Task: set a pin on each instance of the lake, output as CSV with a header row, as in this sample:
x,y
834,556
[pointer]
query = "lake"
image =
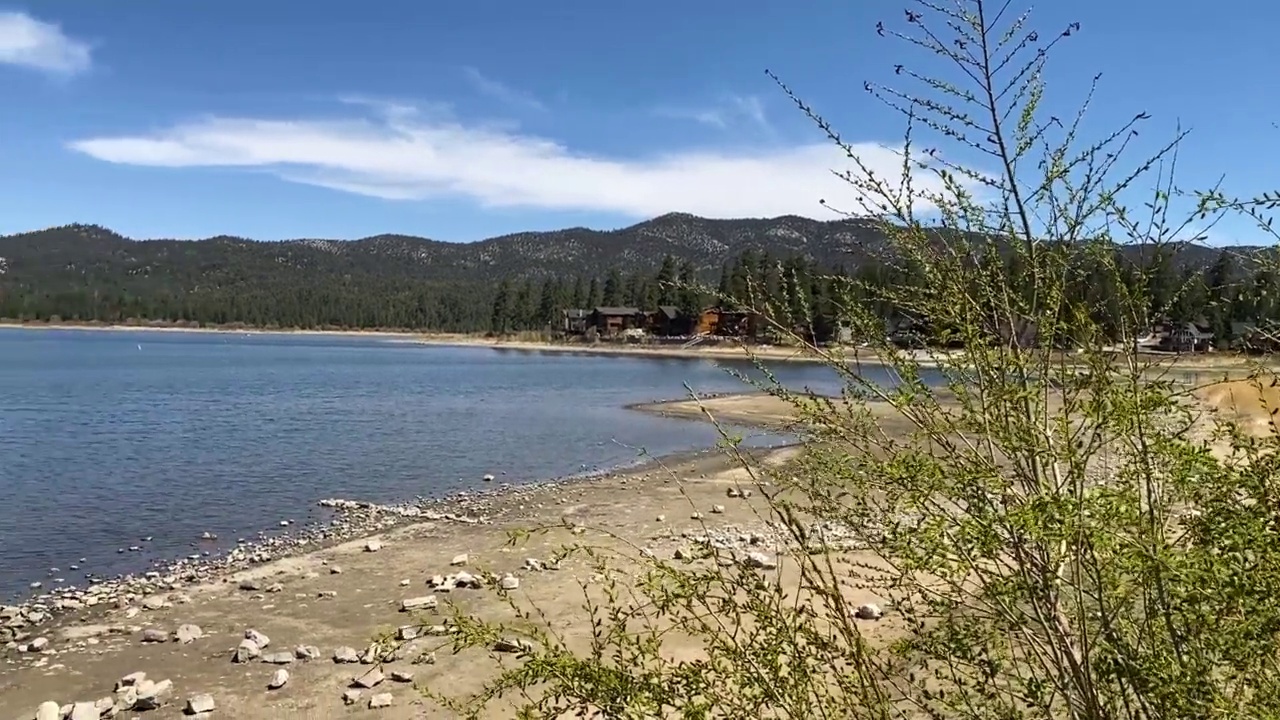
x,y
111,437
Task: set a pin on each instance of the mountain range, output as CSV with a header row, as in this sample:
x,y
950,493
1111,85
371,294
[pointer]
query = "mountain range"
x,y
57,257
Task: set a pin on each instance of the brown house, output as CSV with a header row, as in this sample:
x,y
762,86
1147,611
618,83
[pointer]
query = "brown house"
x,y
615,320
667,321
727,323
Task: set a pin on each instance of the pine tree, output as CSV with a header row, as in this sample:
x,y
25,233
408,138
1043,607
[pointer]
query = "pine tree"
x,y
613,289
500,321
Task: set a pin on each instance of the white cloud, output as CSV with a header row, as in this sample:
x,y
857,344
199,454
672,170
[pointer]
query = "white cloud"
x,y
40,45
502,92
731,110
400,155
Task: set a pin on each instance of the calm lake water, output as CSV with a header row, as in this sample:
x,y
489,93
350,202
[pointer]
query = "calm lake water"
x,y
109,437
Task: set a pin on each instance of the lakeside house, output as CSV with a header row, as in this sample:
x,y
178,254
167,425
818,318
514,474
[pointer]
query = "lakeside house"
x,y
1178,337
663,321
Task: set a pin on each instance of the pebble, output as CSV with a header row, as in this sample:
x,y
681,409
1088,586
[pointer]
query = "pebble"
x,y
424,602
188,633
372,546
202,703
509,582
760,561
869,611
369,679
151,695
246,651
717,509
250,585
307,652
335,570
152,635
381,700
402,676
460,559
346,654
278,679
512,645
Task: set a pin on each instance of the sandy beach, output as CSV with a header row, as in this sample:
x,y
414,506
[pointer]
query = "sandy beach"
x,y
344,595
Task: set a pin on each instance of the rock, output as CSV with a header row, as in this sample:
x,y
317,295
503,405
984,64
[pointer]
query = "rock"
x,y
307,652
695,516
275,588
124,698
201,703
509,582
335,570
733,492
405,582
84,711
278,679
188,633
258,638
38,644
155,602
278,658
151,695
533,564
717,509
351,697
327,594
246,651
369,679
512,645
152,635
869,611
759,561
370,655
130,680
488,478
424,602
459,560
464,580
426,658
381,700
407,632
250,585
402,676
49,710
372,546
346,654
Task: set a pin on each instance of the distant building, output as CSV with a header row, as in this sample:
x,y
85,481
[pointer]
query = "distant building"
x,y
575,321
609,321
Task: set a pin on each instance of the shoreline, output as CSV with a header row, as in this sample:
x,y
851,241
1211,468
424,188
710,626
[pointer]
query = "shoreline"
x,y
352,520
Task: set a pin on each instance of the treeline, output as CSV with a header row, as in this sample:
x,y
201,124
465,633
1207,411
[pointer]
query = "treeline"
x,y
798,293
462,308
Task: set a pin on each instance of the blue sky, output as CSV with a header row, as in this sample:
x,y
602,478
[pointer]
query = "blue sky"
x,y
459,121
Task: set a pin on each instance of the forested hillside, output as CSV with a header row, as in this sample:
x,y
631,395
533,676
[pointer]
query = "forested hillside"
x,y
89,273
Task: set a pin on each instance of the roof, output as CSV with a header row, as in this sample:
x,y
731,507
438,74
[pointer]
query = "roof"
x,y
576,313
617,311
671,311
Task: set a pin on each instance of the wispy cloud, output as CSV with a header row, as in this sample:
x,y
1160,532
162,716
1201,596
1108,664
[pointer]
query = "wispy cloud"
x,y
39,45
502,92
401,155
731,110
